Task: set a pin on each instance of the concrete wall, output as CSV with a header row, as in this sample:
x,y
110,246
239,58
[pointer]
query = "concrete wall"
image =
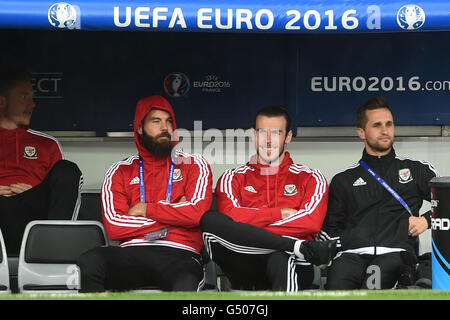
x,y
330,155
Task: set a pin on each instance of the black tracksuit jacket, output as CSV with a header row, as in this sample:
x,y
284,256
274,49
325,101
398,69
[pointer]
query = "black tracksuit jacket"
x,y
363,215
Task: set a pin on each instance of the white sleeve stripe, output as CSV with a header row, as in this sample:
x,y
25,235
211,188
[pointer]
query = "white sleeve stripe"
x,y
325,236
432,168
202,180
224,186
108,200
227,187
312,204
76,209
38,133
108,197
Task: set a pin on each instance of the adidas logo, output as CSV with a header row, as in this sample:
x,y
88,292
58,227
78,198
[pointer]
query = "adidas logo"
x,y
359,182
135,180
251,189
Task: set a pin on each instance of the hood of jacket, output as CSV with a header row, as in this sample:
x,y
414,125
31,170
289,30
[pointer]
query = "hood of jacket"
x,y
143,107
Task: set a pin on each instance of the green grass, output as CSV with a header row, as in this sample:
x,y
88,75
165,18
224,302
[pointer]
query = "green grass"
x,y
245,295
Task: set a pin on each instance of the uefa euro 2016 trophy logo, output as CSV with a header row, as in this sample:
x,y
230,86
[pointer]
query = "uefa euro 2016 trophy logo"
x,y
410,17
176,84
62,15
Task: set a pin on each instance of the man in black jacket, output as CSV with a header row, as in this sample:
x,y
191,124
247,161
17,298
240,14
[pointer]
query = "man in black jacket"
x,y
373,207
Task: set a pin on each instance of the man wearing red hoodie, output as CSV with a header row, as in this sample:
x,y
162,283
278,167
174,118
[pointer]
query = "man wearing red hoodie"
x,y
152,204
35,181
270,207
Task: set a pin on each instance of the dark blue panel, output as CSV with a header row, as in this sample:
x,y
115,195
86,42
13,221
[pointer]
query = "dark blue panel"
x,y
92,80
338,73
103,74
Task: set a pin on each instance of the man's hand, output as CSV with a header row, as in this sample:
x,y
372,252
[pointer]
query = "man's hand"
x,y
417,225
20,187
286,212
6,191
14,189
140,209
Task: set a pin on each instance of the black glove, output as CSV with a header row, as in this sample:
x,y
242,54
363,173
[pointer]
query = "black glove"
x,y
319,252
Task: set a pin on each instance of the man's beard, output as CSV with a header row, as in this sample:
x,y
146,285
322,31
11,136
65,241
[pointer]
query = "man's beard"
x,y
157,148
270,161
379,147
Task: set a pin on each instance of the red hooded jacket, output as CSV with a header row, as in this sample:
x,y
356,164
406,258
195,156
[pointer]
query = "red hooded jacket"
x,y
27,156
255,193
121,191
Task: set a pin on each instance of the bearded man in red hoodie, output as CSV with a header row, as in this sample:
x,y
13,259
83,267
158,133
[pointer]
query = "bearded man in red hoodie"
x,y
36,182
152,203
270,211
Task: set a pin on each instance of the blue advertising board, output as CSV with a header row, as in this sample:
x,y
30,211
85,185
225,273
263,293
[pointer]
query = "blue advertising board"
x,y
311,16
338,73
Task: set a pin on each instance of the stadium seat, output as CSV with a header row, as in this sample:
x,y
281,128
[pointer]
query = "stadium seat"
x,y
91,205
210,276
49,251
4,269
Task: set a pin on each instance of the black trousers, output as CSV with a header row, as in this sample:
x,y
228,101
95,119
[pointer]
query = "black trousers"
x,y
277,271
56,198
253,258
135,267
355,271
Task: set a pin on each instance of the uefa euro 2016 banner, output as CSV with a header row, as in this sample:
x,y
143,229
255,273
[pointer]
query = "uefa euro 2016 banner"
x,y
324,16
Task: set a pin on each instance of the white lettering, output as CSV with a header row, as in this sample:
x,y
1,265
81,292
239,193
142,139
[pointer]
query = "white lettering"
x,y
177,18
349,22
40,86
355,84
440,224
193,310
142,13
157,17
306,19
344,82
290,23
327,85
127,17
316,84
259,14
330,15
243,16
229,23
201,18
144,17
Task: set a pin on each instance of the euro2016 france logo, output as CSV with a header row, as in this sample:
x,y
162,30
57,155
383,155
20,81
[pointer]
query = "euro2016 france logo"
x,y
410,17
176,84
63,15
